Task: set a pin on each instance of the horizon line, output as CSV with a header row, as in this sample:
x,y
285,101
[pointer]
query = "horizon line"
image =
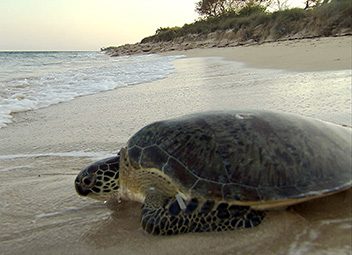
x,y
45,51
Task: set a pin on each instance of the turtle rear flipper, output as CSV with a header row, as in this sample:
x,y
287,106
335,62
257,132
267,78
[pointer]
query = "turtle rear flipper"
x,y
163,215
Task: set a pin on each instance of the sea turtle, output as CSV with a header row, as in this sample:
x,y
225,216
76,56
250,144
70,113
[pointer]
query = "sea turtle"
x,y
218,171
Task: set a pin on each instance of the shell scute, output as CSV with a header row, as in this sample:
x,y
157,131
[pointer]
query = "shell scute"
x,y
179,173
208,189
153,157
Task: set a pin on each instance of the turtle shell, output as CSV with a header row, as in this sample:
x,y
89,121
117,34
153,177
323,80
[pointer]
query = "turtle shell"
x,y
247,156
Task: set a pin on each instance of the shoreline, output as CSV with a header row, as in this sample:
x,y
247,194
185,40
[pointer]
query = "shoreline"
x,y
41,212
300,55
320,54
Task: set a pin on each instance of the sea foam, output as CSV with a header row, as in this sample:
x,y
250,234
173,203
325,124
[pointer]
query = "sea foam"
x,y
32,80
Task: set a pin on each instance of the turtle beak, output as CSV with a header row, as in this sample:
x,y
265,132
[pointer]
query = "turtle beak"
x,y
79,187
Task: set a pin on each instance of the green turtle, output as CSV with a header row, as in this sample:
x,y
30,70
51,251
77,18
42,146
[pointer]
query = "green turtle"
x,y
218,171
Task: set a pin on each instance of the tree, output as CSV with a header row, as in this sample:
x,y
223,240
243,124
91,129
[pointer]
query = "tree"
x,y
213,8
280,4
312,3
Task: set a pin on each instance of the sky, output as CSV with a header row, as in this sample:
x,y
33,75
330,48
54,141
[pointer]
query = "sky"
x,y
30,25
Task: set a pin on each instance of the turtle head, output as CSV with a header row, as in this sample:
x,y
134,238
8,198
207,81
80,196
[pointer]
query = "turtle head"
x,y
99,180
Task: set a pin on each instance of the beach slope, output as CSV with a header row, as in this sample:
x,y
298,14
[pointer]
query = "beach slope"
x,y
42,151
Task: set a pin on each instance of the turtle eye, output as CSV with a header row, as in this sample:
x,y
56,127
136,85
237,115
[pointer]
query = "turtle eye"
x,y
88,181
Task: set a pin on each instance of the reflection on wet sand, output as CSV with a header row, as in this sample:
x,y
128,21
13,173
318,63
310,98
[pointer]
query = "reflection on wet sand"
x,y
304,228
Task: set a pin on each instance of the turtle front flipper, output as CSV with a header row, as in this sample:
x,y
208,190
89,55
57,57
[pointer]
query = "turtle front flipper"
x,y
163,215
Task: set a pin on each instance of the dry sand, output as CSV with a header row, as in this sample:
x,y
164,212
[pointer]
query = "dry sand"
x,y
40,156
329,53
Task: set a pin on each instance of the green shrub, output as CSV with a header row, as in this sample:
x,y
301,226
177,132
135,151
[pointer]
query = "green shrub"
x,y
288,22
260,18
337,13
289,15
254,21
251,9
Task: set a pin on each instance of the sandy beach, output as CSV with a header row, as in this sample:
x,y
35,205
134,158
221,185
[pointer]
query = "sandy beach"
x,y
42,151
327,53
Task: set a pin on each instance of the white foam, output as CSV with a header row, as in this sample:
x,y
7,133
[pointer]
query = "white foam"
x,y
336,221
46,215
56,213
305,241
35,80
76,154
70,210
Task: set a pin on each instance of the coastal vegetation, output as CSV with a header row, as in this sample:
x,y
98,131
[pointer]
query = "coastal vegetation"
x,y
255,22
235,22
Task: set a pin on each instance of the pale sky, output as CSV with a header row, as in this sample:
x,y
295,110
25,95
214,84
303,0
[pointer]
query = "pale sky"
x,y
86,24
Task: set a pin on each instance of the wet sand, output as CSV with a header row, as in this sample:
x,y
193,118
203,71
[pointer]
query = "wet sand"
x,y
43,150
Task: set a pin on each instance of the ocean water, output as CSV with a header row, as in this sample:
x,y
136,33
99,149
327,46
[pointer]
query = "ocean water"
x,y
32,80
